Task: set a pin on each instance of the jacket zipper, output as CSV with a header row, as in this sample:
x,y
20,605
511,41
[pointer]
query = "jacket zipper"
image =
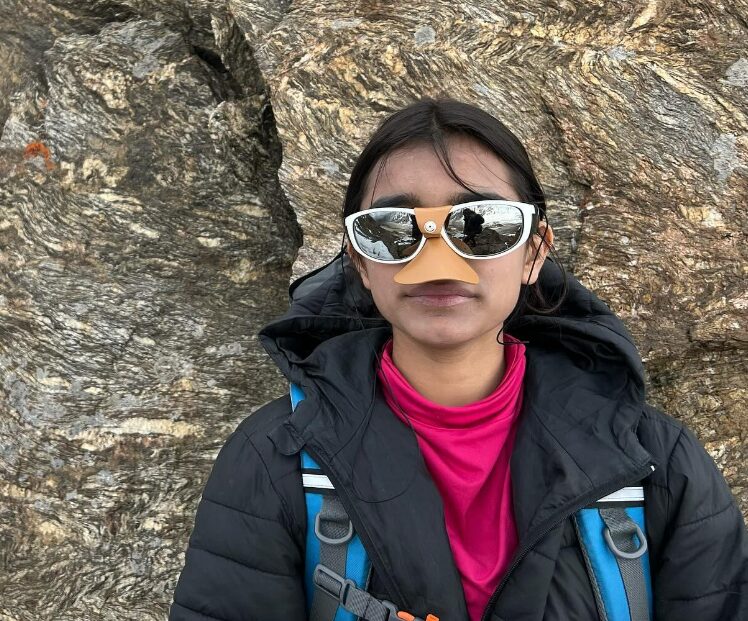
x,y
353,516
581,502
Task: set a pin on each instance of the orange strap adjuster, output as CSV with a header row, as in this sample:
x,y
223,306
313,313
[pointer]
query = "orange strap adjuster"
x,y
406,616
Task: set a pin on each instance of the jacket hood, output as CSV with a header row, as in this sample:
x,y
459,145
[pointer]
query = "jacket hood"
x,y
330,302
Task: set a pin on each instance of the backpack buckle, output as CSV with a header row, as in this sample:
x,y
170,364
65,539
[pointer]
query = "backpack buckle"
x,y
331,583
342,590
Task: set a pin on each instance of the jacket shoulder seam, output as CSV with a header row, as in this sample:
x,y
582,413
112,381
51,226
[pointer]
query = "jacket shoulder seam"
x,y
710,594
257,418
233,560
677,442
242,511
729,506
660,416
284,505
199,612
667,473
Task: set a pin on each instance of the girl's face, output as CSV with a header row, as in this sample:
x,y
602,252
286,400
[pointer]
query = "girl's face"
x,y
480,310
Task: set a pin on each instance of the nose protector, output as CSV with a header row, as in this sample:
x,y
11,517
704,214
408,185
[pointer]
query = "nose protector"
x,y
436,260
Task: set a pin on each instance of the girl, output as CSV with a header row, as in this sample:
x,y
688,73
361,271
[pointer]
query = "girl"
x,y
469,402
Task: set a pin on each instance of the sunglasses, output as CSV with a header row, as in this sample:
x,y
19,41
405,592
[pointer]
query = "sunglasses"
x,y
478,230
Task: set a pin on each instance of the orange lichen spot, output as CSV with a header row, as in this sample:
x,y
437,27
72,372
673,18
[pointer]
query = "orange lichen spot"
x,y
38,148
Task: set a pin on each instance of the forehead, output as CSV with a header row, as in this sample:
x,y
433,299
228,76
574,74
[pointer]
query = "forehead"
x,y
416,169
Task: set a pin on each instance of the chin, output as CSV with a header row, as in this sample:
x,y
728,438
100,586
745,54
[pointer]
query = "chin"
x,y
431,332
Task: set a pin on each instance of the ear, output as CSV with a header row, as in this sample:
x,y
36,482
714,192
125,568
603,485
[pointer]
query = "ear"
x,y
358,264
529,278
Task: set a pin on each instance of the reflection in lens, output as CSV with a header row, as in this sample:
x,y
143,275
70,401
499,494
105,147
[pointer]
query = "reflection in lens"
x,y
387,236
485,230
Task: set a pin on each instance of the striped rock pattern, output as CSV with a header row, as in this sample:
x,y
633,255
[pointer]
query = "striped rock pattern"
x,y
160,161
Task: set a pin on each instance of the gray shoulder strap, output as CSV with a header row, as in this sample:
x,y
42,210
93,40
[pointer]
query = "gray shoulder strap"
x,y
334,531
628,544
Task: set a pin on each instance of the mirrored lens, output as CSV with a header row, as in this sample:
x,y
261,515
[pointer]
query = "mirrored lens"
x,y
485,230
387,235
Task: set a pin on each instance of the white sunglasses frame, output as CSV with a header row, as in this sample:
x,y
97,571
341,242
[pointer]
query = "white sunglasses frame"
x,y
528,212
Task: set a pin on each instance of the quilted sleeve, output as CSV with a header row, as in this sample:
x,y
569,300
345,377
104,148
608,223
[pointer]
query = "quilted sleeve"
x,y
242,563
702,571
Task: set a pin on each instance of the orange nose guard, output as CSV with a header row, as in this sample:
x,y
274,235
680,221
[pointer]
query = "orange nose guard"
x,y
436,260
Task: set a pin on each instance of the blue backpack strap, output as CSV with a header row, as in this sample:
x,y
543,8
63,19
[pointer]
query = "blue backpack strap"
x,y
612,536
331,544
297,394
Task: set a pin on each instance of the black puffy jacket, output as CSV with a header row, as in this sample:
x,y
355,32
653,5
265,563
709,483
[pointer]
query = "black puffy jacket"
x,y
585,431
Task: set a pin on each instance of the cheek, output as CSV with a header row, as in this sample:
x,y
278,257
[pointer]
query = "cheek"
x,y
500,279
383,288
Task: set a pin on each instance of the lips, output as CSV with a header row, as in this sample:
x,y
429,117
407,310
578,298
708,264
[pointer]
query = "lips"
x,y
441,290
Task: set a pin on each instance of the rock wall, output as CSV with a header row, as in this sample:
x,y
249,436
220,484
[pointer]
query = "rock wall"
x,y
143,239
155,157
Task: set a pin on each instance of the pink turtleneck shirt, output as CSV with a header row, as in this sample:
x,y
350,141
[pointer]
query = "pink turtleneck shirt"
x,y
467,449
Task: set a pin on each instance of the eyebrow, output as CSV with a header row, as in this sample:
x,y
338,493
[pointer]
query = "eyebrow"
x,y
411,200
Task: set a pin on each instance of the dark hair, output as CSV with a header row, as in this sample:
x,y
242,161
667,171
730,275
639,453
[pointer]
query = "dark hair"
x,y
433,121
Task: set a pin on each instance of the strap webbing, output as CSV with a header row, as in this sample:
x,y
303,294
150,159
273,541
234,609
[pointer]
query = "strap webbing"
x,y
589,565
353,599
623,532
614,548
333,524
